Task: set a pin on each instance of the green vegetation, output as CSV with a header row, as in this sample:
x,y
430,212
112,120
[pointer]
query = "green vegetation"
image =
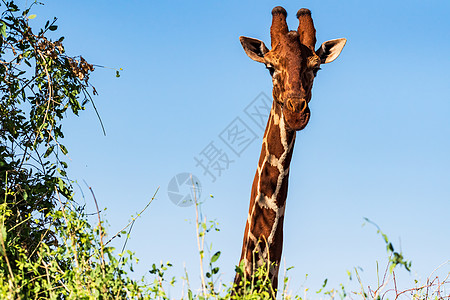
x,y
48,249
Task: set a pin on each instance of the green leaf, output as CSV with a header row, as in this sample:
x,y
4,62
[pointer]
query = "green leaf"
x,y
53,27
3,232
215,257
60,184
62,172
31,17
390,247
385,238
391,268
49,151
3,29
63,149
349,274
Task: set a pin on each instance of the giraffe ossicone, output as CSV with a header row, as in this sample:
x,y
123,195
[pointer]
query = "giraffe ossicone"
x,y
293,64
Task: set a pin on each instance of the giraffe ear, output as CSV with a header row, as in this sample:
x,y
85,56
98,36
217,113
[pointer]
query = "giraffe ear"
x,y
330,50
254,48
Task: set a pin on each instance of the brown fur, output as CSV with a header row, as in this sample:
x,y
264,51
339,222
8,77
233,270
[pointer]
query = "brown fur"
x,y
279,26
306,28
293,64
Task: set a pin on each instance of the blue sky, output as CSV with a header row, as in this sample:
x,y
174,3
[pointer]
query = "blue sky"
x,y
377,144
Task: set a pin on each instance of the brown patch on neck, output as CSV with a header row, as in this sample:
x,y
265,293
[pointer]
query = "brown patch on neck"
x,y
274,145
268,180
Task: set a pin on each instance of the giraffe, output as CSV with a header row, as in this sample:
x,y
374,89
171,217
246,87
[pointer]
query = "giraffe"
x,y
293,64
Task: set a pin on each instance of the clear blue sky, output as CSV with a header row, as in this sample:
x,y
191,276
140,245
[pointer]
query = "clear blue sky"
x,y
377,145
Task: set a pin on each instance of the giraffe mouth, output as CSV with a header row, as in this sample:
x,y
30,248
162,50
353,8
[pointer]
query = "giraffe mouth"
x,y
296,113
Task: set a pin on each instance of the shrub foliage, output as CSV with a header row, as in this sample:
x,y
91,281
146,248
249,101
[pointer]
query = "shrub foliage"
x,y
48,250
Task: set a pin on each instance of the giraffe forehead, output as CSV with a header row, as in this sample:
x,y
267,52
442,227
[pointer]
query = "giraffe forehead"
x,y
291,53
290,60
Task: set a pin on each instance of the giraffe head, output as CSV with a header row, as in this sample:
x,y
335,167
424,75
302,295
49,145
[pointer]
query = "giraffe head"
x,y
293,63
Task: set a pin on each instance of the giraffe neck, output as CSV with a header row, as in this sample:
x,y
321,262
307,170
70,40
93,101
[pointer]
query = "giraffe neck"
x,y
263,237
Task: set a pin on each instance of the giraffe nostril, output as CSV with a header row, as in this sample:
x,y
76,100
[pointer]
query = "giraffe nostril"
x,y
296,105
290,105
302,105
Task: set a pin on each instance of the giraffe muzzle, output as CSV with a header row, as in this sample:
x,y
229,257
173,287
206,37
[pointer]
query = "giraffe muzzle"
x,y
296,113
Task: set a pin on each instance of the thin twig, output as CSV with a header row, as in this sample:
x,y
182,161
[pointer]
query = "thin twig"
x,y
99,224
96,111
360,282
395,284
199,244
134,219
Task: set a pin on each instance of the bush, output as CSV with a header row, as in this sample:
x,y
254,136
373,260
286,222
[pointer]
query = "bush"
x,y
48,250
